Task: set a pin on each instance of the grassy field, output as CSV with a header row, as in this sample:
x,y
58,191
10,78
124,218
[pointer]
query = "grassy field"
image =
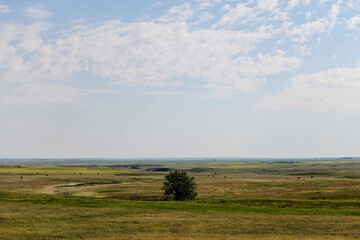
x,y
237,200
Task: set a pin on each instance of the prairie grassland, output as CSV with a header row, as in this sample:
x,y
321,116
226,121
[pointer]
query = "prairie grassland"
x,y
83,221
241,200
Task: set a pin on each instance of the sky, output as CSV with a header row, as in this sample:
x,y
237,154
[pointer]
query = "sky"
x,y
197,78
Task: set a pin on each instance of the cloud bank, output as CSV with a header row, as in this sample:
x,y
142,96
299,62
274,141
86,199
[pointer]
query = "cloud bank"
x,y
218,44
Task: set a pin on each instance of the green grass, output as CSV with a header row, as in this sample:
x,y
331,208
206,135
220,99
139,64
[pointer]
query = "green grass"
x,y
243,200
86,219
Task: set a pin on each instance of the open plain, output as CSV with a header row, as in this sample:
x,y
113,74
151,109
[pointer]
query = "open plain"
x,y
285,199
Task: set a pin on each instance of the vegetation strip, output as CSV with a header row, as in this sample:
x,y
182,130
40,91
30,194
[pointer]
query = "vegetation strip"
x,y
193,206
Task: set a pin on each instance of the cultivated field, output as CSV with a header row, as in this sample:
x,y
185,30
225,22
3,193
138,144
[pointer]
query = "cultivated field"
x,y
287,199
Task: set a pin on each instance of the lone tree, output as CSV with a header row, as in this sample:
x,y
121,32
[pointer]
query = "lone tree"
x,y
180,186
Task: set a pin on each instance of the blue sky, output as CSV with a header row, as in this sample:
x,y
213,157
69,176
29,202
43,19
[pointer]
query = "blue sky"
x,y
198,78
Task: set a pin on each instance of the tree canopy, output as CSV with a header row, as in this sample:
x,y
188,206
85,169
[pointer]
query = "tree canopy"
x,y
179,186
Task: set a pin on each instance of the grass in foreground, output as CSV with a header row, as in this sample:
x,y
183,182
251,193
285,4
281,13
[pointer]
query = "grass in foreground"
x,y
143,220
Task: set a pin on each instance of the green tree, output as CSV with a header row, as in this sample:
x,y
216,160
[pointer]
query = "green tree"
x,y
179,186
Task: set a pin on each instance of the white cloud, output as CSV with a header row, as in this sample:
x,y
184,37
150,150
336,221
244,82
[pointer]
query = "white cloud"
x,y
293,3
304,32
336,90
30,39
178,13
245,73
37,13
158,4
4,9
204,16
353,22
21,82
204,4
303,50
244,13
226,7
145,53
353,4
158,53
15,42
321,2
